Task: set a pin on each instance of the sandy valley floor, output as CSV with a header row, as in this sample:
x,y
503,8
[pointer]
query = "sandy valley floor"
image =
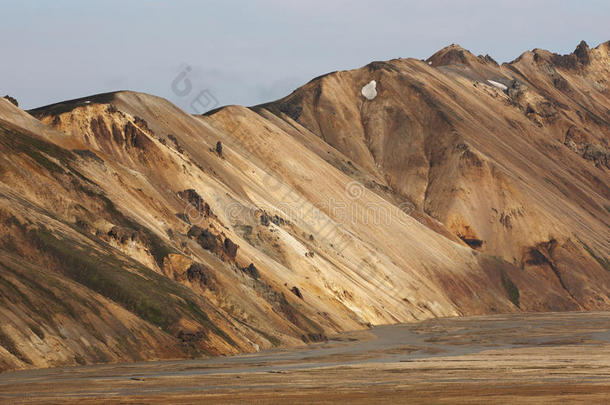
x,y
487,359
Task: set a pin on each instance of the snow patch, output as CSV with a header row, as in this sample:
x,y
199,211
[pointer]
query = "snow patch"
x,y
498,85
369,91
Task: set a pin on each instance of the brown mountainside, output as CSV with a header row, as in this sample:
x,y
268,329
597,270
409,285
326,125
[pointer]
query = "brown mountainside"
x,y
460,187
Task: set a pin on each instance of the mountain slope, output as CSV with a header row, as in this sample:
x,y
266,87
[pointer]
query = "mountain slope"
x,y
132,230
518,170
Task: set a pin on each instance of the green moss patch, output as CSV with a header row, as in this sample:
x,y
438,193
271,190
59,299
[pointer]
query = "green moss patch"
x,y
147,294
511,289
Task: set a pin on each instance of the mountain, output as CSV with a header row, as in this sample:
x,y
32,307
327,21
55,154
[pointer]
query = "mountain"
x,y
131,230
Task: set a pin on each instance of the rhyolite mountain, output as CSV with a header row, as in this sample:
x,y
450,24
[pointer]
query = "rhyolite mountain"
x,y
131,230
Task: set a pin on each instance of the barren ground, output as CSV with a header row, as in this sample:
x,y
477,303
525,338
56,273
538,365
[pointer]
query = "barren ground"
x,y
486,359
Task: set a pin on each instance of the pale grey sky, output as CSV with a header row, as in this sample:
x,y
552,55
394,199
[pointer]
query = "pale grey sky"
x,y
249,52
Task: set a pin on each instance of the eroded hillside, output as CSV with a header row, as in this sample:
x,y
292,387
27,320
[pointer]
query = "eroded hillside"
x,y
512,159
131,230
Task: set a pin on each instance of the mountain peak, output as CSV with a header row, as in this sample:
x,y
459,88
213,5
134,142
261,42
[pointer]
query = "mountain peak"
x,y
451,55
68,105
582,52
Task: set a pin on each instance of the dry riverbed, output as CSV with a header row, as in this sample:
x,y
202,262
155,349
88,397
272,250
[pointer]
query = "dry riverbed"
x,y
487,359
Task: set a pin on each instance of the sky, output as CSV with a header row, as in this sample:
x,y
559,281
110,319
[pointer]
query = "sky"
x,y
203,54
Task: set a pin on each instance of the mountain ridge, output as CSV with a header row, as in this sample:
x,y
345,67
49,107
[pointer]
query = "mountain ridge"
x,y
447,194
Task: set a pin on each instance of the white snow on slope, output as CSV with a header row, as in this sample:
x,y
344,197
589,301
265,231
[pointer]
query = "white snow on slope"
x,y
498,85
369,91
